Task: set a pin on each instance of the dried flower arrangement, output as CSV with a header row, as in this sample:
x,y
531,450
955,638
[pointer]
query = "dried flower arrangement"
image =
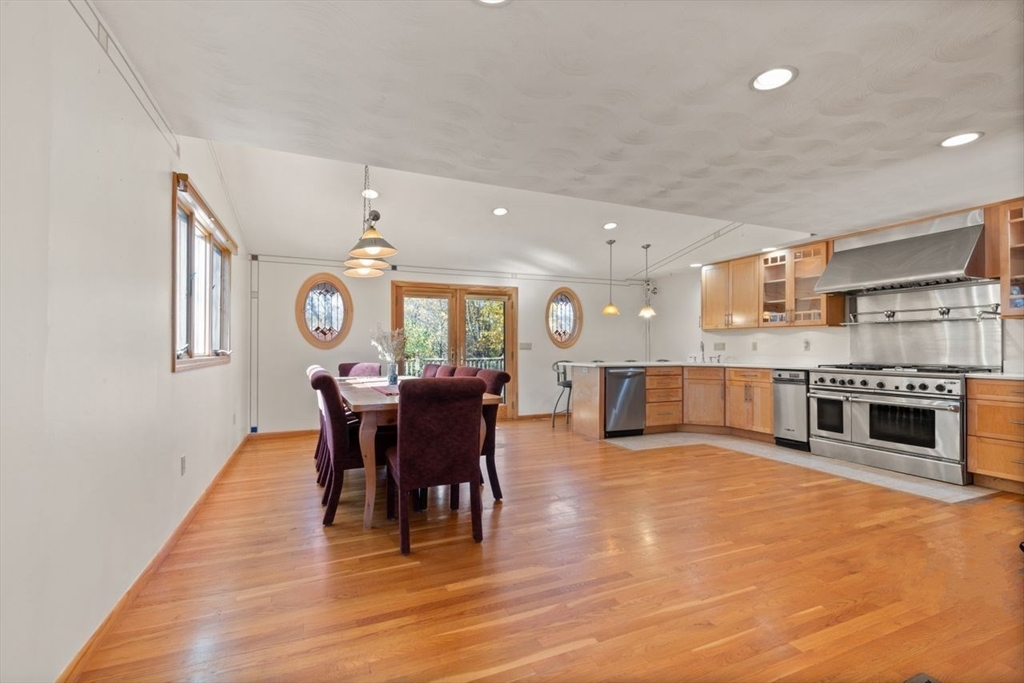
x,y
390,343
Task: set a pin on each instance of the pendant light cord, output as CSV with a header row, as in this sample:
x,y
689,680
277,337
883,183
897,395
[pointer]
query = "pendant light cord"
x,y
610,243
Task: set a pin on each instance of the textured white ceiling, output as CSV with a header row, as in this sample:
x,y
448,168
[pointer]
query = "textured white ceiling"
x,y
640,103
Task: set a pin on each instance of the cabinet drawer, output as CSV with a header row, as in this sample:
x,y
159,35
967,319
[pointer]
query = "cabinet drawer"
x,y
749,375
996,419
995,457
665,370
664,382
998,389
662,395
664,414
704,373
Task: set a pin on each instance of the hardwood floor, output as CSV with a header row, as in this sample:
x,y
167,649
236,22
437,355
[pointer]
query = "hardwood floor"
x,y
695,564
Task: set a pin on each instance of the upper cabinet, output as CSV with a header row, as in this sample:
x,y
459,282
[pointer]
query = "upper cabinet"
x,y
787,296
771,290
1011,242
729,294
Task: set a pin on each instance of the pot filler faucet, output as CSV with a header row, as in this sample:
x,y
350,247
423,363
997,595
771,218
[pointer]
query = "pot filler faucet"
x,y
702,351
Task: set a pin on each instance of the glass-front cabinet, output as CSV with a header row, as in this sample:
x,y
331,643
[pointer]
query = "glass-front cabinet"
x,y
1013,260
788,277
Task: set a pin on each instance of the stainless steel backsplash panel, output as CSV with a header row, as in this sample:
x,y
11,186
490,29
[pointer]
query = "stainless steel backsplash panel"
x,y
954,342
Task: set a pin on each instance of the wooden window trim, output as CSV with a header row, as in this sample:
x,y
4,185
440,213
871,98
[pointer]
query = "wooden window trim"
x,y
222,240
300,310
577,318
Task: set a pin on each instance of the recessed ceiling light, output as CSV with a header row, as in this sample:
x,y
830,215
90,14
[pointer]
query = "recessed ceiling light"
x,y
773,78
696,265
767,249
610,226
500,211
370,194
961,139
493,3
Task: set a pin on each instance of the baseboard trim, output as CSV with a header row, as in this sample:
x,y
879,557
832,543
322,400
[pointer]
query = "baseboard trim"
x,y
537,416
75,667
259,436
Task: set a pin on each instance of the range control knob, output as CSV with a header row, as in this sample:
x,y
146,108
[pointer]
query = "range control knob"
x,y
842,382
940,388
863,382
832,380
880,385
922,386
910,387
850,382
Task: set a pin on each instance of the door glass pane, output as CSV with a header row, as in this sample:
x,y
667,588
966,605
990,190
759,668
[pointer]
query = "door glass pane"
x,y
830,415
200,294
426,332
903,425
181,283
485,333
773,284
808,264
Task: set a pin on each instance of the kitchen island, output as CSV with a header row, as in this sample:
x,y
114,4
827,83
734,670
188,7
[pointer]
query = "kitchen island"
x,y
716,398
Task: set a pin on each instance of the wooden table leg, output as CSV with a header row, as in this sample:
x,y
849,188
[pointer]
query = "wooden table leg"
x,y
367,442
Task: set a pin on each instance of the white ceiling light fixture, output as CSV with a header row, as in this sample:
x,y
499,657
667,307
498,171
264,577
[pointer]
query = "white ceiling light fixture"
x,y
767,249
493,3
774,78
370,194
610,226
500,211
961,139
610,309
647,311
371,247
696,265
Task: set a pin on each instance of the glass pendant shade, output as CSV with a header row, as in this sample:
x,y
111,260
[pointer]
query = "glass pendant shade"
x,y
364,272
647,311
610,309
371,245
366,263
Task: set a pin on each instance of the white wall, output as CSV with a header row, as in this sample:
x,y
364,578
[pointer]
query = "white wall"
x,y
680,334
286,402
92,421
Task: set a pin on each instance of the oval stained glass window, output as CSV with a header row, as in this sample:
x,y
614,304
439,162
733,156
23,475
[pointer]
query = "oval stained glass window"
x,y
564,317
323,310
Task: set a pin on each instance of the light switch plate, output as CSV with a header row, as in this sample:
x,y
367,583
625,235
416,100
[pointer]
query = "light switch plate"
x,y
526,346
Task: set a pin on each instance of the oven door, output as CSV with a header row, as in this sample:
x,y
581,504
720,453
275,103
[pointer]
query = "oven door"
x,y
830,415
928,427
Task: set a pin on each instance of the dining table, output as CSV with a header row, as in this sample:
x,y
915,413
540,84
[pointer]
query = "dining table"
x,y
376,403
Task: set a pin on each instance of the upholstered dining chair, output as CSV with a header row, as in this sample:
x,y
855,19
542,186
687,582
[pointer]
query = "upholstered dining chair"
x,y
358,369
430,370
342,441
466,371
321,446
445,371
496,381
438,444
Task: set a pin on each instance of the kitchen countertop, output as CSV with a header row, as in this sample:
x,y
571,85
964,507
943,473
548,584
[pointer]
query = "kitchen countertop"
x,y
995,375
689,364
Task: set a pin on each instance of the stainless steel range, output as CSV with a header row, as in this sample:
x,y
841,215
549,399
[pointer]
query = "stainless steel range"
x,y
907,419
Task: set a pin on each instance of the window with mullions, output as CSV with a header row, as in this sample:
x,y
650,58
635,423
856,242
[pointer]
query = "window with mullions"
x,y
565,317
202,281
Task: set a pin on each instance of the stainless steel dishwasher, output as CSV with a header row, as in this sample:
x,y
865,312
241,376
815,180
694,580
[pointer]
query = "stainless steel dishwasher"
x,y
789,396
625,401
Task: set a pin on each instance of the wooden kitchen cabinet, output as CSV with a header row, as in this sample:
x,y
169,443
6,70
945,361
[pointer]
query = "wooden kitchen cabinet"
x,y
1010,224
995,432
749,400
729,294
664,396
787,297
704,396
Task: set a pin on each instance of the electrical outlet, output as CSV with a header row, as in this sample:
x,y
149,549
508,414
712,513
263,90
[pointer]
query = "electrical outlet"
x,y
753,346
183,465
526,346
807,345
719,346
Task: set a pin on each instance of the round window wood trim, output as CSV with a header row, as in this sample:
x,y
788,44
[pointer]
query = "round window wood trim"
x,y
347,311
565,340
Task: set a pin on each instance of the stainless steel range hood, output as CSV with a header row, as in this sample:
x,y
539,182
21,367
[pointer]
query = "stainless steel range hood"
x,y
930,259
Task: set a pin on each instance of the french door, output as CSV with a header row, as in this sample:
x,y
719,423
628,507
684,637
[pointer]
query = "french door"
x,y
459,325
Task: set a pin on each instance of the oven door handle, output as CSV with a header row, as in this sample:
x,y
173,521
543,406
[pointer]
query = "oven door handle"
x,y
831,397
910,403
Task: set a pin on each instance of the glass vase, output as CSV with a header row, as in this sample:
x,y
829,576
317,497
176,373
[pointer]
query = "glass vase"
x,y
392,373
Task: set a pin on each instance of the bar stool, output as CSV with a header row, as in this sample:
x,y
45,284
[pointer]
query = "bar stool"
x,y
562,379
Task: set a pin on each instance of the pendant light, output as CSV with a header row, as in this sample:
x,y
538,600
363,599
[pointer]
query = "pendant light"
x,y
610,309
371,247
647,311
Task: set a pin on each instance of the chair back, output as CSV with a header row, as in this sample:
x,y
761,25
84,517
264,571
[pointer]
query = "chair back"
x,y
466,371
439,430
445,371
561,370
496,381
430,370
358,369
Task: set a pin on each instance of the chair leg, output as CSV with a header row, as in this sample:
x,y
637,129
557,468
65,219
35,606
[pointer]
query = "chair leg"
x,y
476,508
327,483
335,494
453,497
554,411
492,474
391,487
403,520
568,403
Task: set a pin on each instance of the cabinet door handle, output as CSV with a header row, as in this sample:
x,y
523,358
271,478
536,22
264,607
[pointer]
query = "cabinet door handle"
x,y
1016,422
